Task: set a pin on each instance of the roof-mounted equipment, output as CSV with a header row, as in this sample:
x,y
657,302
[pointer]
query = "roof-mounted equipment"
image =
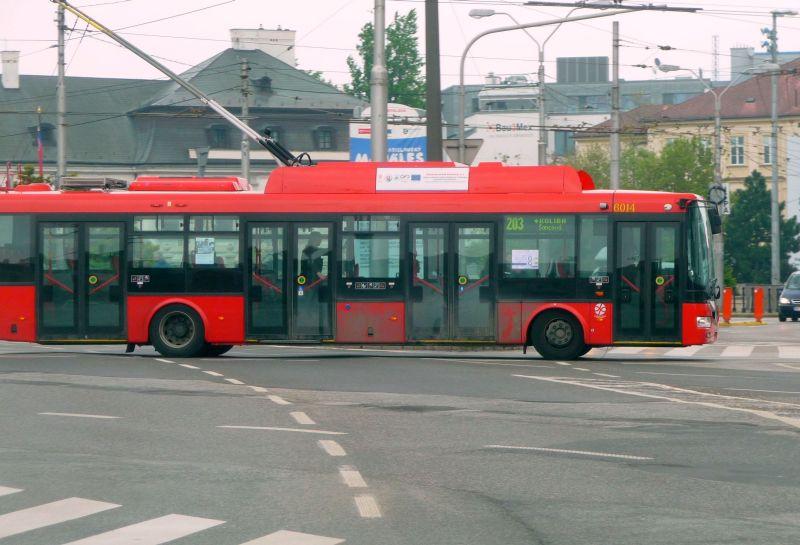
x,y
86,183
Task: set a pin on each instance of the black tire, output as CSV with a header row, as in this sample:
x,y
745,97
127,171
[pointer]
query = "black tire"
x,y
214,350
782,318
177,331
557,335
585,350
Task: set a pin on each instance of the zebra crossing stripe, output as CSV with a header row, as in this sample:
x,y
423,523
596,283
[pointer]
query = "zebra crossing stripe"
x,y
5,491
789,352
285,537
151,532
684,351
626,350
737,351
25,520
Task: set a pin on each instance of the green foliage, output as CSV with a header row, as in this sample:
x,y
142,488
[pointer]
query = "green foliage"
x,y
684,165
29,176
318,75
403,62
748,234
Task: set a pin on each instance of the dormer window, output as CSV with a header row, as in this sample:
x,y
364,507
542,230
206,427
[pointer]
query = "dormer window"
x,y
263,84
218,136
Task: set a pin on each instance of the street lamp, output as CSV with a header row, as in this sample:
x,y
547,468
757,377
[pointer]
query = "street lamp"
x,y
462,91
716,190
480,14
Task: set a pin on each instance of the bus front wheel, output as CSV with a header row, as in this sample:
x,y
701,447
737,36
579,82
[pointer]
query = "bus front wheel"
x,y
177,331
557,335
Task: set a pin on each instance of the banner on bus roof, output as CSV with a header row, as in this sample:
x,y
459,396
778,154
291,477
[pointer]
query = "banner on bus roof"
x,y
422,179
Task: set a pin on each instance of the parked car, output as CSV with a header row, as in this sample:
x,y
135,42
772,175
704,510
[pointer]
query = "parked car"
x,y
789,301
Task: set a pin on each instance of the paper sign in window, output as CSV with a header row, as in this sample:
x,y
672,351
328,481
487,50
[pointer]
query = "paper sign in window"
x,y
204,251
524,260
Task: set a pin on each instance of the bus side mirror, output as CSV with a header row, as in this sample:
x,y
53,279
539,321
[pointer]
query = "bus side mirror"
x,y
715,220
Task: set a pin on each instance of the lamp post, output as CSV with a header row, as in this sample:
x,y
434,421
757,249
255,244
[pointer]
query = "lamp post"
x,y
462,92
716,186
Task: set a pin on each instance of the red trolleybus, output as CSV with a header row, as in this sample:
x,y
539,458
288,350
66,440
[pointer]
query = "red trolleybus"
x,y
365,253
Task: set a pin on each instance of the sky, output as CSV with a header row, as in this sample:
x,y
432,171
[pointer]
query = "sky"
x,y
327,33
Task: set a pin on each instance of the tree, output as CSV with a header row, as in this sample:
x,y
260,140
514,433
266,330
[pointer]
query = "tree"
x,y
29,176
748,238
594,160
320,76
403,62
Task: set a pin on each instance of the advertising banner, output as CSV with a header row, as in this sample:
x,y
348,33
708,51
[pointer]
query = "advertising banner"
x,y
404,143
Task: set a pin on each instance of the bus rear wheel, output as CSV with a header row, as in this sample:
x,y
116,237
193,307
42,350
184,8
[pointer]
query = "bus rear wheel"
x,y
557,335
214,350
177,331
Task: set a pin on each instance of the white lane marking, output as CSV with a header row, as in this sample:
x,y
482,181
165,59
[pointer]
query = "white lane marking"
x,y
5,490
765,391
351,477
188,366
331,447
303,361
213,373
162,360
234,381
605,375
273,428
79,415
737,351
259,389
48,514
683,351
278,400
787,366
367,507
688,374
626,350
488,362
581,369
794,422
789,352
285,537
568,451
563,363
302,418
151,532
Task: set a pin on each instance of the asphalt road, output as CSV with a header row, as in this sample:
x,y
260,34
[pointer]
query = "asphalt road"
x,y
321,445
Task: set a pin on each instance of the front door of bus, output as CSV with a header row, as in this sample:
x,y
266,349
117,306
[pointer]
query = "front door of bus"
x,y
289,288
80,288
452,282
647,291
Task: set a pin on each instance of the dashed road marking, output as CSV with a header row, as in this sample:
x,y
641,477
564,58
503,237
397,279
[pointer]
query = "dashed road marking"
x,y
259,389
275,428
569,451
188,366
737,351
581,369
787,366
5,490
162,360
234,381
79,415
689,374
367,507
151,532
606,375
302,418
765,391
351,477
285,537
331,447
278,400
563,363
213,373
32,518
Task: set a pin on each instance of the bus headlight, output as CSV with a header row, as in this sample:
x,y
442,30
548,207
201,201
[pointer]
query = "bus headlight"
x,y
784,301
704,322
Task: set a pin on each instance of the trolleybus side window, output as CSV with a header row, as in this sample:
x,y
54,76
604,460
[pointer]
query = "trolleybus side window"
x,y
214,262
593,273
16,249
157,254
538,256
370,257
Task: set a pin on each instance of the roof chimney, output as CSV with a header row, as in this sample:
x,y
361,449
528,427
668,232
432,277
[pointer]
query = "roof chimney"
x,y
10,69
276,42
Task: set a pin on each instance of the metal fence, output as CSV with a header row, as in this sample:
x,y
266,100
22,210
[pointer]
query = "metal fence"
x,y
743,297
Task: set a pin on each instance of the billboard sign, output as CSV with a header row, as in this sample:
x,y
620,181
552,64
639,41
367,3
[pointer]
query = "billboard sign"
x,y
404,142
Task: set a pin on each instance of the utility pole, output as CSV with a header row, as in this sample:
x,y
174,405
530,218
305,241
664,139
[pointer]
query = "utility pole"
x,y
379,81
615,147
542,154
245,119
433,92
61,99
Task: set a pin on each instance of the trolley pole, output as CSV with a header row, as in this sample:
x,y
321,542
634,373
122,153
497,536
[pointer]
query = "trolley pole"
x,y
245,119
379,81
61,99
433,92
615,146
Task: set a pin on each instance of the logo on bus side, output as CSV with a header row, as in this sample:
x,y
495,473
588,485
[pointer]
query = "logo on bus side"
x,y
600,311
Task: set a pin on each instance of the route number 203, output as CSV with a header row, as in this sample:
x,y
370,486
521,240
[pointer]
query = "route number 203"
x,y
624,207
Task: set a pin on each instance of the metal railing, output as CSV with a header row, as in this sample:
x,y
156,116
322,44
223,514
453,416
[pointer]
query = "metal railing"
x,y
743,297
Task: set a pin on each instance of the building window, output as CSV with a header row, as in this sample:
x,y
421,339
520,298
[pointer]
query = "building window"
x,y
565,143
218,136
737,150
767,149
593,102
323,137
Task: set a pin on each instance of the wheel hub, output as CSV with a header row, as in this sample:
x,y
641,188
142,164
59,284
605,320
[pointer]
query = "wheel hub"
x,y
559,333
